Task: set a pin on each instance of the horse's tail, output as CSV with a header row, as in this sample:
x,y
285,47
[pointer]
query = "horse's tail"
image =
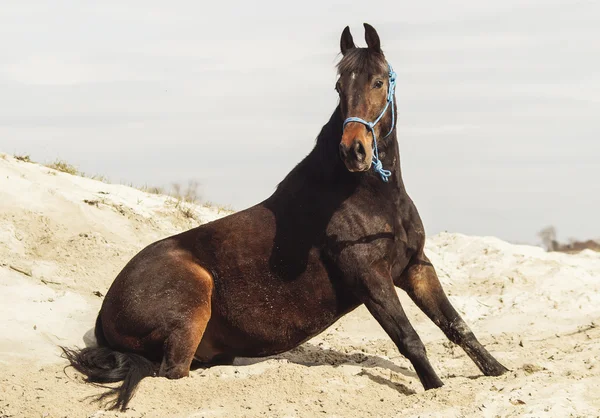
x,y
104,365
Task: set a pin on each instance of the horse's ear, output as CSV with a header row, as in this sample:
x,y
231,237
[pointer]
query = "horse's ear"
x,y
372,38
346,43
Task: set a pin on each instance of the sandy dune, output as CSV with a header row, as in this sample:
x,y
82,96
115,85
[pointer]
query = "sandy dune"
x,y
539,313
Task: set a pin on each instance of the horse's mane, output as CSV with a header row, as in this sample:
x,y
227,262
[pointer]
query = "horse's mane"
x,y
327,144
324,158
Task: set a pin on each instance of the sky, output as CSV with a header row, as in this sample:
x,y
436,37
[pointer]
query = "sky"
x,y
498,102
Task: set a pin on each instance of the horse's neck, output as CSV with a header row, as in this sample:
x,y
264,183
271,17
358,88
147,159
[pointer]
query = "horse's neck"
x,y
323,168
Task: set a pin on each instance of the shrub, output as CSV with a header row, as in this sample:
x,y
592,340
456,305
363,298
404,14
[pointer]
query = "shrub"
x,y
63,166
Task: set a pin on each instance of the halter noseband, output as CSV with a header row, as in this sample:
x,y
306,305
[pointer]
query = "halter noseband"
x,y
377,165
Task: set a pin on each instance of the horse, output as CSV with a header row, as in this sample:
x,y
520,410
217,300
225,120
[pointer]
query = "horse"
x,y
339,231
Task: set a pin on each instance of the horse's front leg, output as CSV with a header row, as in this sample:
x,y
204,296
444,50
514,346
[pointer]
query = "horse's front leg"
x,y
421,283
376,290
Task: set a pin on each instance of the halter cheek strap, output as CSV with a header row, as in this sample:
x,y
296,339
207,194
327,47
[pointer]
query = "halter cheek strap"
x,y
377,165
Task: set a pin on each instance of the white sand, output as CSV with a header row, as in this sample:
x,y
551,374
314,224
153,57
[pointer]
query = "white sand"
x,y
538,313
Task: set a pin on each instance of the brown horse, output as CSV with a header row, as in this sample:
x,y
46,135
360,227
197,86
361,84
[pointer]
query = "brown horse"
x,y
339,231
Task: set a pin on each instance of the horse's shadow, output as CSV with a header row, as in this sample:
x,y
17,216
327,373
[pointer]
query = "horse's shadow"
x,y
311,355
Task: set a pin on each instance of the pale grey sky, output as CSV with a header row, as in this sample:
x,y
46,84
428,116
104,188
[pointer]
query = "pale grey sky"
x,y
499,102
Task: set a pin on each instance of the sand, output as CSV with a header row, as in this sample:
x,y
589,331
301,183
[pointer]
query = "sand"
x,y
64,238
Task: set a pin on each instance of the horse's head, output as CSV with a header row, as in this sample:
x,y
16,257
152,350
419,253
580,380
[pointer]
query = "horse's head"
x,y
366,88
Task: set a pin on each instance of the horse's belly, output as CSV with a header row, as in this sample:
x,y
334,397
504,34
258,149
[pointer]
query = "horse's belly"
x,y
268,335
271,315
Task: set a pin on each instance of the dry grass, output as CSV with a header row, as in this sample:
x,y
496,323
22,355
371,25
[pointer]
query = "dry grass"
x,y
575,246
97,177
23,158
548,236
63,166
189,194
152,189
185,198
182,198
92,202
187,212
218,208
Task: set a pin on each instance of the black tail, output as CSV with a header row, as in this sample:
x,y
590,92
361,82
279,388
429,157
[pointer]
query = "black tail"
x,y
105,365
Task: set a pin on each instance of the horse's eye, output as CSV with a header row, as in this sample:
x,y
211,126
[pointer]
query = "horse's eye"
x,y
378,84
337,86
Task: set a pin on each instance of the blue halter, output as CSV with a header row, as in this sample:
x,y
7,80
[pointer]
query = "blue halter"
x,y
377,165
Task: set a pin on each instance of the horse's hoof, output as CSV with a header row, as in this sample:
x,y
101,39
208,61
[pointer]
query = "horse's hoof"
x,y
495,370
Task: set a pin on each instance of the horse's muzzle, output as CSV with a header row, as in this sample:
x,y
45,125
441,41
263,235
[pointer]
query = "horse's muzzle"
x,y
356,157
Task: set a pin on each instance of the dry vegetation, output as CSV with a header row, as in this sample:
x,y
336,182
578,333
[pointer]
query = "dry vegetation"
x,y
23,158
65,167
548,236
152,189
218,208
182,198
98,177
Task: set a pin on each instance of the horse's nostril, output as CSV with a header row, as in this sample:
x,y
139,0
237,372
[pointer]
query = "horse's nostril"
x,y
359,150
